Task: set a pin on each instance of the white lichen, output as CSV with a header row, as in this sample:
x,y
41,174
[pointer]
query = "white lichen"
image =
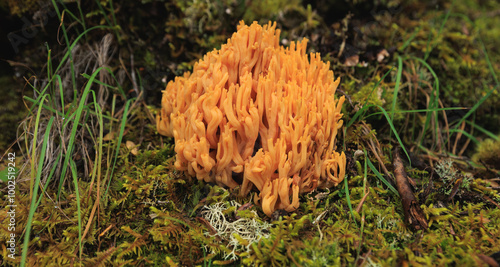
x,y
445,170
249,229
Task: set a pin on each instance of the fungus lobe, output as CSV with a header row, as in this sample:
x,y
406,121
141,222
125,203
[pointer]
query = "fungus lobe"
x,y
257,115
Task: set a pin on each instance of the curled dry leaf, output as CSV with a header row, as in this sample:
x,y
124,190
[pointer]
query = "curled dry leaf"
x,y
132,147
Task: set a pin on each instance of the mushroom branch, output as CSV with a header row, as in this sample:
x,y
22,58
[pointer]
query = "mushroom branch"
x,y
257,115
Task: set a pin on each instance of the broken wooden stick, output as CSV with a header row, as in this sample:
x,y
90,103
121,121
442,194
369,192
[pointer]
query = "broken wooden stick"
x,y
413,214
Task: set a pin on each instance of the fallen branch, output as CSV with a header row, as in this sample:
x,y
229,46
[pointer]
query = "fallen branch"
x,y
413,214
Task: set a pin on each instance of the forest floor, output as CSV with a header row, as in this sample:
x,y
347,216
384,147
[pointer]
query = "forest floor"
x,y
87,180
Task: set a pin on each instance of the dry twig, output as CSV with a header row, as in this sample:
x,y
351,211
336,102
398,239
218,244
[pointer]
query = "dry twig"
x,y
413,214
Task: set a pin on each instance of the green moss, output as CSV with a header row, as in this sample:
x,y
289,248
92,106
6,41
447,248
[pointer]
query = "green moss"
x,y
456,56
488,152
267,10
155,214
151,214
19,8
12,111
367,93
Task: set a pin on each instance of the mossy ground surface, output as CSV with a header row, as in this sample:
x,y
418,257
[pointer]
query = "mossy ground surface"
x,y
414,74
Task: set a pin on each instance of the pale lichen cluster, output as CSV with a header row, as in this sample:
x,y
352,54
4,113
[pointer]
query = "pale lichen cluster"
x,y
250,230
257,115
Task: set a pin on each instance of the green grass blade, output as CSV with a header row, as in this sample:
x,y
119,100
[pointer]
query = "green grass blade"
x,y
408,41
78,206
475,107
348,199
394,131
61,92
35,139
415,111
112,25
380,177
490,66
96,172
468,135
434,98
484,131
429,50
117,87
82,19
120,136
71,142
66,39
49,178
396,87
34,203
376,85
70,48
361,112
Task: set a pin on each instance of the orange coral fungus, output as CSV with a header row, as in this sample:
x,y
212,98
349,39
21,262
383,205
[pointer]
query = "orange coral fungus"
x,y
258,115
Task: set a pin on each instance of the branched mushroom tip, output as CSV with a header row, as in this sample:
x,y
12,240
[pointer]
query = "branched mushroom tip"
x,y
258,115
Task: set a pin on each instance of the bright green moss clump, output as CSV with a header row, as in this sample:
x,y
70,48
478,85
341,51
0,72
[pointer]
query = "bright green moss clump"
x,y
488,152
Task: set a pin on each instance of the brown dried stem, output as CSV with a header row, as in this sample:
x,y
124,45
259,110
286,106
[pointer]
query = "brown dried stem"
x,y
413,214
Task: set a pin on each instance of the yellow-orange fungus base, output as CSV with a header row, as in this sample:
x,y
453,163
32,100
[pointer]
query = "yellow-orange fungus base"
x,y
258,115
